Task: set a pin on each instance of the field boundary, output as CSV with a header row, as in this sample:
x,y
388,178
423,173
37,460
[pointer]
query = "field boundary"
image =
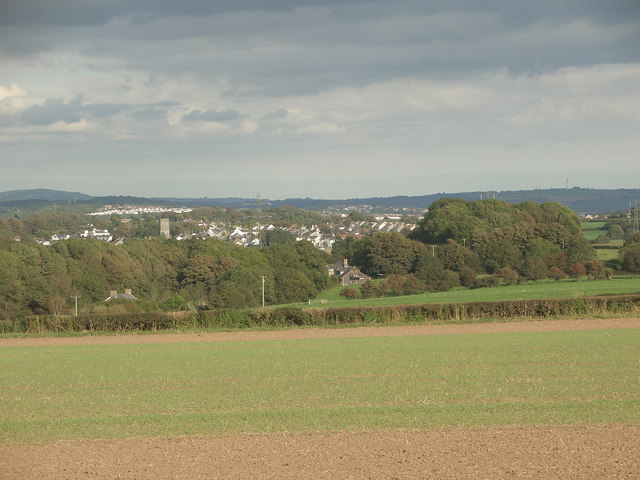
x,y
362,331
468,312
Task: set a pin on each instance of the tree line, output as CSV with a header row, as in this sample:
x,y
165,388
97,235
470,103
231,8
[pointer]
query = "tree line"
x,y
163,274
480,243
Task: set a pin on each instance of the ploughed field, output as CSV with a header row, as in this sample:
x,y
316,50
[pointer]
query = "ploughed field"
x,y
546,399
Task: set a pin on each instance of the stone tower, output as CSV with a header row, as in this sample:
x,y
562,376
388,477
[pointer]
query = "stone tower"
x,y
164,228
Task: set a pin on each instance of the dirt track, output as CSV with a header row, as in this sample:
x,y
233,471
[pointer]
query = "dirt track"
x,y
585,451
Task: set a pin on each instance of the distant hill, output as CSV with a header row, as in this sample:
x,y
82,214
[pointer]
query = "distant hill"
x,y
581,200
43,194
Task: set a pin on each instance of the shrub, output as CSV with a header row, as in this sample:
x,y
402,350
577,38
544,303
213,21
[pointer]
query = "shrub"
x,y
370,290
349,293
509,275
412,285
467,277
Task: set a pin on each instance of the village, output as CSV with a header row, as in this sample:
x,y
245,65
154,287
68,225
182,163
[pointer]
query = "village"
x,y
319,236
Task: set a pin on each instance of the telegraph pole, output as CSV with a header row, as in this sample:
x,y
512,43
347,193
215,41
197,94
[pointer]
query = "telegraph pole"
x,y
262,277
76,297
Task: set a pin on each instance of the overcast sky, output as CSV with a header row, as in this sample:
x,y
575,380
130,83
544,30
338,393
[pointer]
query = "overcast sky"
x,y
318,98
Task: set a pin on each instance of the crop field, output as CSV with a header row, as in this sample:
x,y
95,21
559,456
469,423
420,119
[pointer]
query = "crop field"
x,y
568,288
115,391
365,401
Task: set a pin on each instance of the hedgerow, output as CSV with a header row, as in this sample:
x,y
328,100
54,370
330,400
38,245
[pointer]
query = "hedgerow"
x,y
290,316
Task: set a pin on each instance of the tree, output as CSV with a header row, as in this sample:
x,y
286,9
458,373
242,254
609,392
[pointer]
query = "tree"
x,y
393,285
578,250
577,270
275,236
455,256
632,240
429,271
630,259
467,277
448,281
556,274
412,286
386,253
615,231
558,259
509,275
629,256
534,269
593,269
448,218
370,290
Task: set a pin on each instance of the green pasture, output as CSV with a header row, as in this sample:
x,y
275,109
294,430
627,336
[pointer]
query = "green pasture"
x,y
568,288
606,254
116,391
592,230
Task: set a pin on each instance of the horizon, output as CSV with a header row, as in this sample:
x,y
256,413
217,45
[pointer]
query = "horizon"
x,y
261,197
326,100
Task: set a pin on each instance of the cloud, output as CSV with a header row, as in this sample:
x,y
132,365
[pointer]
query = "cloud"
x,y
56,110
436,86
277,115
212,116
13,90
52,111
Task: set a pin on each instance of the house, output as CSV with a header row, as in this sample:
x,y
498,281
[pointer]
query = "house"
x,y
353,277
346,274
127,295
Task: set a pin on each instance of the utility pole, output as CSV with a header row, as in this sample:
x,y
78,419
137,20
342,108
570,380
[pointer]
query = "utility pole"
x,y
76,297
262,277
635,217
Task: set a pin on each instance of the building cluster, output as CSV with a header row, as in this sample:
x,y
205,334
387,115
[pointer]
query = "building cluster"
x,y
319,237
95,233
322,237
108,210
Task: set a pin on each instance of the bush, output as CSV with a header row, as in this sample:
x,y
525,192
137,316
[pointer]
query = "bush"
x,y
467,277
370,290
349,293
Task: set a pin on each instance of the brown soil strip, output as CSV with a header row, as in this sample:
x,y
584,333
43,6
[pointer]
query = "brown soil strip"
x,y
565,452
313,333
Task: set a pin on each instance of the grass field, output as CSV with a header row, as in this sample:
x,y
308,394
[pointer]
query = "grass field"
x,y
542,289
116,391
592,230
606,254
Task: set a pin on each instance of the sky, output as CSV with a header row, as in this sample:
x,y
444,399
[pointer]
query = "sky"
x,y
318,98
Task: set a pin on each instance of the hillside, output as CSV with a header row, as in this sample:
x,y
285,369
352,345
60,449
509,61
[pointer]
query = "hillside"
x,y
581,200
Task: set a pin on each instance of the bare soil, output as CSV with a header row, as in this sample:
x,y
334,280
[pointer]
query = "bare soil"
x,y
549,451
571,452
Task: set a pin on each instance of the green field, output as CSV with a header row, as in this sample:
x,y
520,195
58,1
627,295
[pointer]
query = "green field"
x,y
83,392
606,254
592,230
567,288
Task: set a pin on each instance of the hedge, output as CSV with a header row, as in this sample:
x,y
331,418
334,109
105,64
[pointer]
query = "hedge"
x,y
288,317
